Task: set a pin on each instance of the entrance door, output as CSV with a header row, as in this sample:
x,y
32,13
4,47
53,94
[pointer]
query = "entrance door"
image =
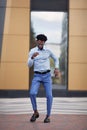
x,y
52,21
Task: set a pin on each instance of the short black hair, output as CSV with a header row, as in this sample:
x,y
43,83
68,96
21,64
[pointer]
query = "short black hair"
x,y
41,37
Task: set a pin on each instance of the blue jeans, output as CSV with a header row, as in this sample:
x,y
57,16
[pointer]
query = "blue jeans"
x,y
46,80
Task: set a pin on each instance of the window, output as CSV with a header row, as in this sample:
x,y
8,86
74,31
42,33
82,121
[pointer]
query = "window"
x,y
52,21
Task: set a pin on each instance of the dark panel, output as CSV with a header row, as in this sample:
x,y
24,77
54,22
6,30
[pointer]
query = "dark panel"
x,y
49,5
14,93
3,3
56,93
2,20
64,93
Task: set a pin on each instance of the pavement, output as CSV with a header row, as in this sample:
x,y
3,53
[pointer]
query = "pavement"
x,y
67,114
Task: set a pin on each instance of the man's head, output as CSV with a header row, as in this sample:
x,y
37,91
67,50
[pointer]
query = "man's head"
x,y
41,39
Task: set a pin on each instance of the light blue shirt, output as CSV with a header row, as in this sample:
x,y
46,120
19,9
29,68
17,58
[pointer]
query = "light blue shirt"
x,y
42,61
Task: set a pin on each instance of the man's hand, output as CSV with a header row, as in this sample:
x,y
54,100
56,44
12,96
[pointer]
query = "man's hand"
x,y
34,55
56,72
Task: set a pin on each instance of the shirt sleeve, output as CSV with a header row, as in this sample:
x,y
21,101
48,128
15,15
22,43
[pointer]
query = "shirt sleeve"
x,y
56,60
30,61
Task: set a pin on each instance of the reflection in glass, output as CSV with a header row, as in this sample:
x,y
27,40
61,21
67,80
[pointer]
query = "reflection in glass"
x,y
54,26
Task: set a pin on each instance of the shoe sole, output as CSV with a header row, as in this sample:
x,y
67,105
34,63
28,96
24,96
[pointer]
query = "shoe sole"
x,y
31,120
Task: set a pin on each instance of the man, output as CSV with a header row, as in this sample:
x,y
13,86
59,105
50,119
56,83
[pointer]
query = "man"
x,y
39,56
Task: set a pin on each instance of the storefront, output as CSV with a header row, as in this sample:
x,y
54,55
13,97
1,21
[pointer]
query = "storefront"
x,y
16,17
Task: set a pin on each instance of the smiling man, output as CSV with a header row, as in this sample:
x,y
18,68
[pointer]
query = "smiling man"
x,y
39,56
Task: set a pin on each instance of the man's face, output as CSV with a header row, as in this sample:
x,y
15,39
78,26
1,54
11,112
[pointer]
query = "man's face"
x,y
40,44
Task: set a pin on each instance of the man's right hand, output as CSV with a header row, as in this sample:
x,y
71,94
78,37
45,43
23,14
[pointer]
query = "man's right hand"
x,y
34,55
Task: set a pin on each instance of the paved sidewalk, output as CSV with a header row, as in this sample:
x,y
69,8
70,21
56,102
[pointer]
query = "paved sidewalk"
x,y
60,106
67,114
58,122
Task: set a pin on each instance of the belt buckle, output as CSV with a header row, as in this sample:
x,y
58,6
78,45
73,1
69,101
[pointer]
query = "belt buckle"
x,y
45,72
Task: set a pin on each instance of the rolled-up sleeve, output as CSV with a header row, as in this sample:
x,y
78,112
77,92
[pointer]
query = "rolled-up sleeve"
x,y
30,61
56,61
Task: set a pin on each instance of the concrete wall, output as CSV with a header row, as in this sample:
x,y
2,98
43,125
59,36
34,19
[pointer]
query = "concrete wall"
x,y
77,45
15,45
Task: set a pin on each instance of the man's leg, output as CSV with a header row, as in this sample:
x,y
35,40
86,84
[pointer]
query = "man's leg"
x,y
47,82
33,92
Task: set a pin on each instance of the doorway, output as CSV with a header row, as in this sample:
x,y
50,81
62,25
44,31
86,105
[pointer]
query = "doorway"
x,y
53,22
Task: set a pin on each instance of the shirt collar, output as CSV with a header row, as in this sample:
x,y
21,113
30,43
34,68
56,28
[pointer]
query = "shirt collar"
x,y
44,48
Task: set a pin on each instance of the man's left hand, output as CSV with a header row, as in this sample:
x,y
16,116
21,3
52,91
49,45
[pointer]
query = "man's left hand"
x,y
56,72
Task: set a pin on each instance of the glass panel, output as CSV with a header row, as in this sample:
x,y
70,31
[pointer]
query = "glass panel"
x,y
54,26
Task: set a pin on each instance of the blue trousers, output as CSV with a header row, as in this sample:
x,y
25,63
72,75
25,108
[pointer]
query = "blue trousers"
x,y
46,80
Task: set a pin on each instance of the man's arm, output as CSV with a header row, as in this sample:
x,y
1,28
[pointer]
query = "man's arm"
x,y
30,59
56,62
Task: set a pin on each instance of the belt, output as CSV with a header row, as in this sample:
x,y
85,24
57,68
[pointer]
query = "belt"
x,y
37,72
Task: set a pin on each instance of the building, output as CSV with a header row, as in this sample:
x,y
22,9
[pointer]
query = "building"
x,y
15,44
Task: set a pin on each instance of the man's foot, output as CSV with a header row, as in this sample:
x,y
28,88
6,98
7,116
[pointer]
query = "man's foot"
x,y
47,119
34,117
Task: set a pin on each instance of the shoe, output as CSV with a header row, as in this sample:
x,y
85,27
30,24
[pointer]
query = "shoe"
x,y
34,117
47,119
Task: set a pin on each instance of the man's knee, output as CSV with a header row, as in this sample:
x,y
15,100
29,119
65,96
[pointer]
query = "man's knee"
x,y
32,93
49,96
